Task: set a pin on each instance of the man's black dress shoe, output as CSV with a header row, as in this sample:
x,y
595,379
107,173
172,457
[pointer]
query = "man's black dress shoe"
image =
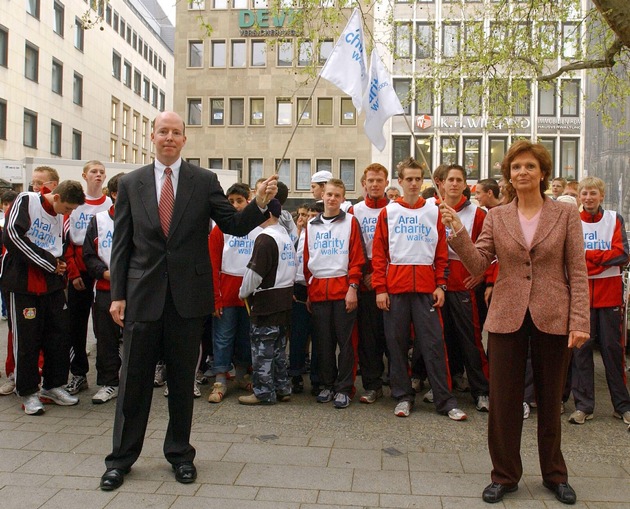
x,y
113,478
563,491
185,472
495,491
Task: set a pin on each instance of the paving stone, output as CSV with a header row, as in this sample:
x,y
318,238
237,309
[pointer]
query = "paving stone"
x,y
226,503
395,463
434,462
413,501
287,495
16,439
72,482
59,463
218,491
216,437
14,458
445,484
14,496
284,476
55,442
272,454
318,441
177,488
588,489
381,481
128,500
344,498
355,458
600,470
78,499
358,444
17,479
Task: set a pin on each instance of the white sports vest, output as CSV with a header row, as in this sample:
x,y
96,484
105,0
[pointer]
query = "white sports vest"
x,y
329,247
599,236
105,229
237,251
45,231
81,216
467,217
413,235
367,217
285,274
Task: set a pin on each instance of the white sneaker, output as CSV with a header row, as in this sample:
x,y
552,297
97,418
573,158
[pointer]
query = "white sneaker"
x,y
403,409
526,410
483,403
428,396
457,415
579,417
196,391
104,394
59,396
8,387
625,416
32,405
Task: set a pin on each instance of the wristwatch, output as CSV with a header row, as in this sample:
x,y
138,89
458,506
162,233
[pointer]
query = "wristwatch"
x,y
443,287
354,285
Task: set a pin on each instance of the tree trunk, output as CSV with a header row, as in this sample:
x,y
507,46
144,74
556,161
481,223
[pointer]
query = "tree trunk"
x,y
617,15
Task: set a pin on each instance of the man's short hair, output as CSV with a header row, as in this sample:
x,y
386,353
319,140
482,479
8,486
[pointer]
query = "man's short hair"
x,y
53,175
70,191
337,183
112,184
8,197
91,163
592,183
572,184
440,172
240,189
429,192
563,181
489,185
283,192
457,167
376,167
409,162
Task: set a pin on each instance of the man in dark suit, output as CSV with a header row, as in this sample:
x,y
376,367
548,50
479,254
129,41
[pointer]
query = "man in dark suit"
x,y
161,286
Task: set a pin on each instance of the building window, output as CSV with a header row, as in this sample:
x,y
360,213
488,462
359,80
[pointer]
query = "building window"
x,y
256,111
424,40
195,53
194,160
450,39
197,5
237,111
116,65
194,112
403,89
303,174
400,152
346,173
497,96
570,40
134,128
546,100
402,46
108,15
305,53
284,111
57,77
79,34
348,112
114,116
154,96
3,119
323,165
134,155
112,150
137,81
240,4
220,4
255,171
31,62
550,145
239,54
521,98
570,98
548,35
126,77
325,49
284,171
58,17
125,123
498,147
55,138
304,111
162,105
145,131
146,88
217,112
425,143
473,93
115,23
123,27
4,47
30,129
285,53
569,157
259,53
77,142
218,54
324,111
450,99
472,156
448,150
128,37
32,7
424,97
215,163
77,91
237,166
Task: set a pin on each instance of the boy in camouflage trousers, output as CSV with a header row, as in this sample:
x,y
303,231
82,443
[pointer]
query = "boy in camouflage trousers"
x,y
268,286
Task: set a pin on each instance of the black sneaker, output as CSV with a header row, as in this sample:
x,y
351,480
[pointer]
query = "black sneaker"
x,y
77,384
297,384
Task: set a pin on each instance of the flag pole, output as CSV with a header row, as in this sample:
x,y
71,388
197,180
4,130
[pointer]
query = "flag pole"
x,y
297,123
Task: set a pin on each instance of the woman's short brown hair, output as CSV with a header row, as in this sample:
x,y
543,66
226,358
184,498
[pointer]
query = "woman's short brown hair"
x,y
539,152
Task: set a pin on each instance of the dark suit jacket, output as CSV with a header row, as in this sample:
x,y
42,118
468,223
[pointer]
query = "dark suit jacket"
x,y
144,261
549,278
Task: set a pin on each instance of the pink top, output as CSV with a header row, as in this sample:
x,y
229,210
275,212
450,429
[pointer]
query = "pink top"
x,y
529,226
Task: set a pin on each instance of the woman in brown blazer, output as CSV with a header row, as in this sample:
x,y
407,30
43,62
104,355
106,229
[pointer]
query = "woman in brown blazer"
x,y
540,299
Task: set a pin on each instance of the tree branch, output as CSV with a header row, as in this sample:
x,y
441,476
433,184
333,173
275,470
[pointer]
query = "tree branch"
x,y
607,62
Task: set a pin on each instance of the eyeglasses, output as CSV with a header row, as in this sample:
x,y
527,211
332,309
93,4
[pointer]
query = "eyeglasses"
x,y
39,183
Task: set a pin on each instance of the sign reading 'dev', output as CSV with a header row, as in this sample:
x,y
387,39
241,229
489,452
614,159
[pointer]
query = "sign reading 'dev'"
x,y
262,18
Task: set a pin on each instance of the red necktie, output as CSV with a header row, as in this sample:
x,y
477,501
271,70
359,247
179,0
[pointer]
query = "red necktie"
x,y
167,201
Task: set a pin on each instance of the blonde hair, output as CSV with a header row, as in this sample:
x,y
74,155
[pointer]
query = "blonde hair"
x,y
91,163
592,183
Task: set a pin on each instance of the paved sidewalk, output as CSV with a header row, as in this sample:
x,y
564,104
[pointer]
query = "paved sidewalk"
x,y
297,455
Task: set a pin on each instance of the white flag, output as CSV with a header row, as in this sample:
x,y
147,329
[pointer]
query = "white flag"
x,y
346,66
380,101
